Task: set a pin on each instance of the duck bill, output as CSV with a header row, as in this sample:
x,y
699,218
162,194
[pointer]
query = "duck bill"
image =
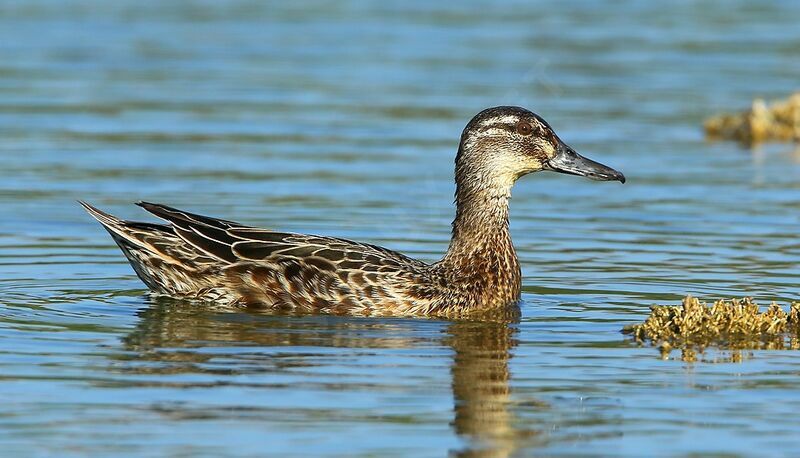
x,y
568,161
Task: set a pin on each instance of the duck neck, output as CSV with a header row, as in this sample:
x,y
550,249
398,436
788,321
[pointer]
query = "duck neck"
x,y
481,255
481,221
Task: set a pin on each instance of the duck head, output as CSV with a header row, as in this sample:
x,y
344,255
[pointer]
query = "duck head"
x,y
502,144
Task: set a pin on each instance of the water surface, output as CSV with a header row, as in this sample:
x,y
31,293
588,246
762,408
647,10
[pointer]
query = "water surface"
x,y
342,118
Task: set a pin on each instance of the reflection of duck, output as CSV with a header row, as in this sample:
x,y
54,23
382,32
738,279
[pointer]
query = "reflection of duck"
x,y
481,389
212,259
175,324
483,414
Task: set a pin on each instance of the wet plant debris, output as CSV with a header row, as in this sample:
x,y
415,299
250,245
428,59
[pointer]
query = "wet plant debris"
x,y
777,121
736,324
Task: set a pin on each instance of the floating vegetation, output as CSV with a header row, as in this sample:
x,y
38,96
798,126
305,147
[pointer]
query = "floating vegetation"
x,y
778,121
734,325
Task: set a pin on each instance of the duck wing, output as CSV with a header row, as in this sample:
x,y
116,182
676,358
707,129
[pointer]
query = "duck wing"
x,y
231,243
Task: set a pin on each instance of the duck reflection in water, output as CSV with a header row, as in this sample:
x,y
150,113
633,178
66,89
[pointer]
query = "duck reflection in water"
x,y
484,417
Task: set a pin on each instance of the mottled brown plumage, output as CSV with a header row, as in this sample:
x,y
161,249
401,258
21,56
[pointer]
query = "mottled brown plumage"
x,y
205,258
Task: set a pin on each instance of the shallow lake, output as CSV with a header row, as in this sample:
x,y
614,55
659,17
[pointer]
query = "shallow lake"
x,y
343,118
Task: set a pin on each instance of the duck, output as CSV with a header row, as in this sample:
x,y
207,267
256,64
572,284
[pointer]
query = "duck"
x,y
191,256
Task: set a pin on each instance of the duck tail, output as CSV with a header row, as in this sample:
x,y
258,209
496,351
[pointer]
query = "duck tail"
x,y
147,246
127,232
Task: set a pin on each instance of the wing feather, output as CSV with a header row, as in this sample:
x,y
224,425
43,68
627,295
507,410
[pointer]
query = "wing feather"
x,y
174,215
232,242
209,235
257,251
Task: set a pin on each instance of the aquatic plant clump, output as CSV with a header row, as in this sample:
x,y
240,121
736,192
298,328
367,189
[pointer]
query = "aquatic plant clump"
x,y
735,324
778,121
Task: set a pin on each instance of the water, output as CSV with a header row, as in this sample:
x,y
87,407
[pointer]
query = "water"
x,y
342,118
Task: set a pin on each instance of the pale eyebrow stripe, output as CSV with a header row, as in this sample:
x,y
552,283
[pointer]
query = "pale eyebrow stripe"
x,y
494,130
499,120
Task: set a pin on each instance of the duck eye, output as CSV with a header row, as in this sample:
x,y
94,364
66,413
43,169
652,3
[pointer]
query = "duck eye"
x,y
524,128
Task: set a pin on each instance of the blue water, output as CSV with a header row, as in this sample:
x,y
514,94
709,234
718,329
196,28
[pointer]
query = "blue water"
x,y
342,118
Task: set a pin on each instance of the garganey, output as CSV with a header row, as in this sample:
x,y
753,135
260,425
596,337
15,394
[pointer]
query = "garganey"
x,y
200,257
